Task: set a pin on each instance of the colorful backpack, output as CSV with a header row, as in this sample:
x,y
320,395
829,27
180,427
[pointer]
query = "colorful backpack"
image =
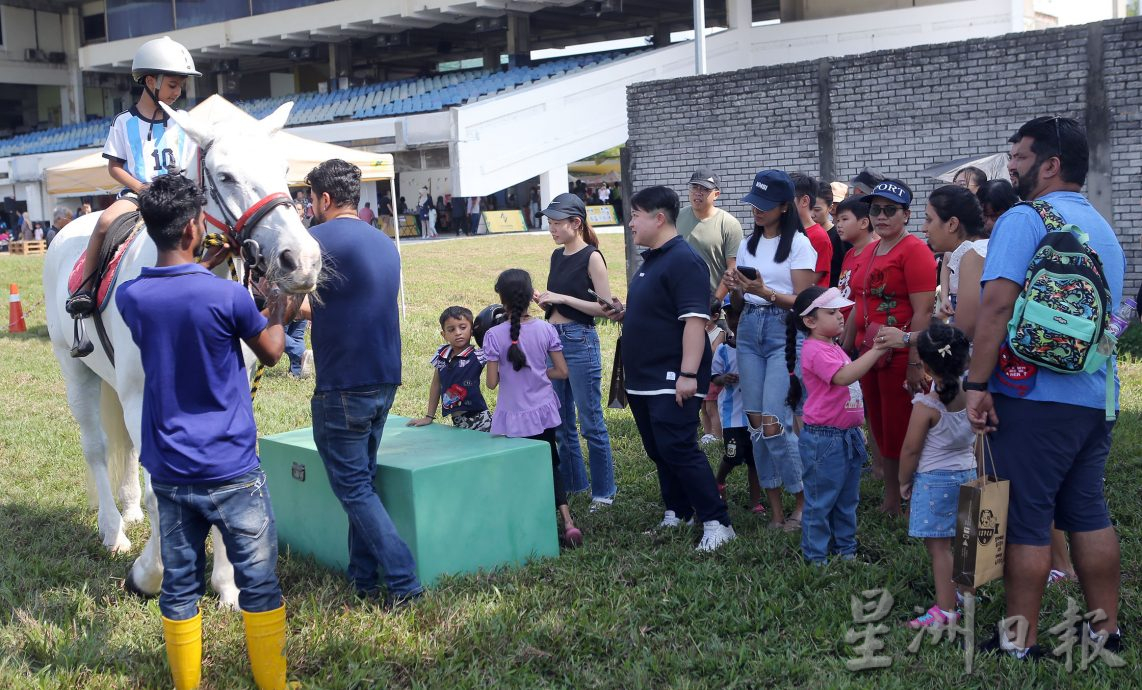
x,y
1062,316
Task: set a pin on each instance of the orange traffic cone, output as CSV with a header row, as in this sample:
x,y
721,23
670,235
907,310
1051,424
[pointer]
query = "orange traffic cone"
x,y
15,311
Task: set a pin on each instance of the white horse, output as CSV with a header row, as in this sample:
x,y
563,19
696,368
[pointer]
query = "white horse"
x,y
246,177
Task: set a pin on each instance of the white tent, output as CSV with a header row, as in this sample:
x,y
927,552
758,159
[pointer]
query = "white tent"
x,y
87,174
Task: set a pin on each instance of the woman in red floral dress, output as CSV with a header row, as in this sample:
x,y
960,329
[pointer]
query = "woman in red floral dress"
x,y
896,286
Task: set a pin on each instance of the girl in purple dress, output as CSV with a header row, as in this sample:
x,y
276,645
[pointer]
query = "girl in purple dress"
x,y
527,406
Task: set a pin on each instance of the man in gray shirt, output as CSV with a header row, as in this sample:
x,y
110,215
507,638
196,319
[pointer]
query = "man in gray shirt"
x,y
712,232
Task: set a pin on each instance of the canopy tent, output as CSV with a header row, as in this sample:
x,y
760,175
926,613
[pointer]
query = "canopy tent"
x,y
88,173
594,172
994,166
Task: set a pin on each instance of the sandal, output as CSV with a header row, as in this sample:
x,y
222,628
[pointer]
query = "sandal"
x,y
933,618
792,524
757,509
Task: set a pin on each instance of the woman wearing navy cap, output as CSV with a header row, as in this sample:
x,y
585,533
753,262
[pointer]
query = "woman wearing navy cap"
x,y
778,262
895,287
576,267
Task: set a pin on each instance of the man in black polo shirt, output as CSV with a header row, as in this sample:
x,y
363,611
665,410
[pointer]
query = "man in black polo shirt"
x,y
666,361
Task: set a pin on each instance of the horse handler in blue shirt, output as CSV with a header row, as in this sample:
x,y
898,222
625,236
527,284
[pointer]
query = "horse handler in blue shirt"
x,y
198,432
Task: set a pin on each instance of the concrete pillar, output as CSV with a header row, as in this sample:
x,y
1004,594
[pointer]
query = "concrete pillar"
x,y
340,65
661,37
519,40
72,105
492,53
739,14
551,184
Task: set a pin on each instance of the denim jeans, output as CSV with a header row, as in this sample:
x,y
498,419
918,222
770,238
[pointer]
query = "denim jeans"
x,y
684,476
347,429
764,386
240,509
295,345
832,459
582,391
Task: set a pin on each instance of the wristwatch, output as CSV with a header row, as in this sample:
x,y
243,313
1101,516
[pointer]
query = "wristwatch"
x,y
687,375
907,338
971,386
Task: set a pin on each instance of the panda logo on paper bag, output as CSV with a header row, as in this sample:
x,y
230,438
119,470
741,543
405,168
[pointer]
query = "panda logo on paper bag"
x,y
987,526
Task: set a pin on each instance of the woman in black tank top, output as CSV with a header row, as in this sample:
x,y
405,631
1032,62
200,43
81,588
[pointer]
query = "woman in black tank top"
x,y
576,267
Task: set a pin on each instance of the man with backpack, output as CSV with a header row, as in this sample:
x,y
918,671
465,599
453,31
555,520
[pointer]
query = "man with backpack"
x,y
1049,412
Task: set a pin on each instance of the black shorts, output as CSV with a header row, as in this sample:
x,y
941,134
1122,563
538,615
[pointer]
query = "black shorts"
x,y
737,448
1054,455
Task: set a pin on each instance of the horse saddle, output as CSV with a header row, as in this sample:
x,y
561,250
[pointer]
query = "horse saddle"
x,y
120,235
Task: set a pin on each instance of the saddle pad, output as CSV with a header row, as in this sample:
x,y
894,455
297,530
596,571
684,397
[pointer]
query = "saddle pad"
x,y
110,273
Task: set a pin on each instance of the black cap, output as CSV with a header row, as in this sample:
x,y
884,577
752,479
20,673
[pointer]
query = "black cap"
x,y
705,178
866,181
565,205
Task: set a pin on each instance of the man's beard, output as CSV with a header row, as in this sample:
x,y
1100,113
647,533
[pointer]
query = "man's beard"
x,y
1026,184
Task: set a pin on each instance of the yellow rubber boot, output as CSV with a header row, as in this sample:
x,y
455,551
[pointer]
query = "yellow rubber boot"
x,y
184,651
265,645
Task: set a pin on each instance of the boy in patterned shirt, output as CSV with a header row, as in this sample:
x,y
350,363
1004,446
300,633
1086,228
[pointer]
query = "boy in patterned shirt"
x,y
456,381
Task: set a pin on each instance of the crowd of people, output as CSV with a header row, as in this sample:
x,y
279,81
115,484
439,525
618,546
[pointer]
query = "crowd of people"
x,y
893,334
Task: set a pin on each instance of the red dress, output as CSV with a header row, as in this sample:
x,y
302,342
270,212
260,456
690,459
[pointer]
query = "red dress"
x,y
881,286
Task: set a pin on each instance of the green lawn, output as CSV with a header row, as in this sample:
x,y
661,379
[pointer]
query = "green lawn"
x,y
625,611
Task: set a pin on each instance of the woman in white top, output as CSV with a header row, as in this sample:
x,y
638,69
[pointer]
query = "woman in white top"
x,y
774,264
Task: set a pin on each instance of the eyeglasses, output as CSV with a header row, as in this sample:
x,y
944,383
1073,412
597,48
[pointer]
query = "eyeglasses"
x,y
888,211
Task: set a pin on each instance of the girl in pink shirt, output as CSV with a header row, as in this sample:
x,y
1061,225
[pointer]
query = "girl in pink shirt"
x,y
831,443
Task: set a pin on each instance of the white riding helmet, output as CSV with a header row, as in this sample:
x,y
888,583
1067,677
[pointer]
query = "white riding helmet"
x,y
162,56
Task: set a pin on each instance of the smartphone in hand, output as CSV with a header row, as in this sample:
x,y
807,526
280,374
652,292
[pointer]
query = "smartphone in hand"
x,y
748,271
600,300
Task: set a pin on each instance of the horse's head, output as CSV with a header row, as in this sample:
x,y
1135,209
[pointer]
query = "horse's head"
x,y
245,176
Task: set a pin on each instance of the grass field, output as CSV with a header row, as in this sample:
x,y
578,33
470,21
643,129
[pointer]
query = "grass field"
x,y
625,611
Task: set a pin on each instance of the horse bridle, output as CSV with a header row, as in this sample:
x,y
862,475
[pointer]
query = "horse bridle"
x,y
239,228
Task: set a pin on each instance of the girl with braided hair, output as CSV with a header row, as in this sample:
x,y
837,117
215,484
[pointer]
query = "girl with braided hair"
x,y
517,352
937,456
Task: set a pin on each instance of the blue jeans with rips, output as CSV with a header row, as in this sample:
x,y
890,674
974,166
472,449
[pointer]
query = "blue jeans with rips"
x,y
765,386
295,345
347,429
832,459
240,509
582,392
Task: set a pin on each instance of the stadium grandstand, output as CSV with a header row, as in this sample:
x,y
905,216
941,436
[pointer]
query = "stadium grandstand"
x,y
472,98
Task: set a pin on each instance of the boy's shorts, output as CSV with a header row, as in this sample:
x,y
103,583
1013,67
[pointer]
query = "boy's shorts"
x,y
480,420
737,446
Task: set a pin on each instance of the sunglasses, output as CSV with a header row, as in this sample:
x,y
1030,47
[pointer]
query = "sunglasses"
x,y
888,211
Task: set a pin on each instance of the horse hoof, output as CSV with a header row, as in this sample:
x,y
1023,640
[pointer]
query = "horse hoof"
x,y
132,515
120,545
130,586
228,601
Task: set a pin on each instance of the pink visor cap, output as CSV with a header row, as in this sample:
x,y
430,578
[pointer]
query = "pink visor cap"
x,y
829,299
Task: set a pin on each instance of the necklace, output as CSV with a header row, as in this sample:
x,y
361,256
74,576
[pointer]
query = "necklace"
x,y
890,247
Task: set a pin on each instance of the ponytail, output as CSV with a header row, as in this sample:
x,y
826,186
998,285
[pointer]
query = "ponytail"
x,y
588,233
945,350
515,290
794,396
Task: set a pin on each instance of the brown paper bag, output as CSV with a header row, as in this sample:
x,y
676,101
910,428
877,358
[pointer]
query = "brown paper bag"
x,y
981,525
617,398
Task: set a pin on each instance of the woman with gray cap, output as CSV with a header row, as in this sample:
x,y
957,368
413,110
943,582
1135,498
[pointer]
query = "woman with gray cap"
x,y
774,264
577,269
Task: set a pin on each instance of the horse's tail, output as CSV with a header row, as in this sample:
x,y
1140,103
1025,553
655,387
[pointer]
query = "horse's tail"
x,y
119,444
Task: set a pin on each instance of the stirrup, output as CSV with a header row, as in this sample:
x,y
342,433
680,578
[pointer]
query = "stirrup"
x,y
81,304
81,345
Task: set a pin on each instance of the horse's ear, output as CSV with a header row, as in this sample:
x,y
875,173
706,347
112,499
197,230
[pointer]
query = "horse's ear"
x,y
201,134
276,120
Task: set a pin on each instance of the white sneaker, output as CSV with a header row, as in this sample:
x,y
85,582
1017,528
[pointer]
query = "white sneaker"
x,y
670,519
714,534
707,439
307,363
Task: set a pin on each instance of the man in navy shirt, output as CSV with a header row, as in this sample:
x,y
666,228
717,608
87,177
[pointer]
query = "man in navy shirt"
x,y
198,433
1049,432
356,351
666,364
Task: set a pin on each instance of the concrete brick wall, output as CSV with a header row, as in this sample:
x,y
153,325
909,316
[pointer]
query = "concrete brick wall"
x,y
902,111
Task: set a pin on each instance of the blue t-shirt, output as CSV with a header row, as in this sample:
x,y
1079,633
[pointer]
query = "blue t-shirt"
x,y
672,284
198,421
1013,243
460,379
356,327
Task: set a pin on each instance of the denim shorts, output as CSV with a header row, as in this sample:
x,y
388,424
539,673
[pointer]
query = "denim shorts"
x,y
935,496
